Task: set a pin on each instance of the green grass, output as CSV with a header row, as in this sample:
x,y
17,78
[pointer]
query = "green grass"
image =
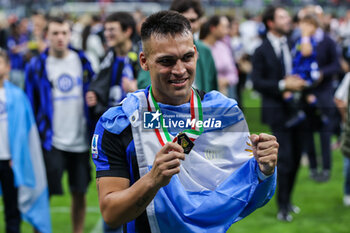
x,y
322,209
321,205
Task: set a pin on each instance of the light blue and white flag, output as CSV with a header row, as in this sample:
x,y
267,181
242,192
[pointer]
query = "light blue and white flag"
x,y
27,159
218,183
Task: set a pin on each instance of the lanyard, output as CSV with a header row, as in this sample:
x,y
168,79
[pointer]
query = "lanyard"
x,y
196,115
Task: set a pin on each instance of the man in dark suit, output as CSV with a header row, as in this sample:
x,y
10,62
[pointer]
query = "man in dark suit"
x,y
272,65
329,66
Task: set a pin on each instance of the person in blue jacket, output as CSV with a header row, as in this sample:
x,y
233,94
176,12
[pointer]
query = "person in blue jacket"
x,y
56,84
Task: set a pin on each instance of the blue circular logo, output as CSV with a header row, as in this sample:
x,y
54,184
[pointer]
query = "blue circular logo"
x,y
65,83
2,107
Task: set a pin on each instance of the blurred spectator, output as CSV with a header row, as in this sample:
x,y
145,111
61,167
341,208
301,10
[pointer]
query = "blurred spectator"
x,y
37,43
92,45
119,67
272,66
329,67
17,48
249,31
242,59
22,170
344,30
206,75
305,66
56,83
3,31
212,34
341,99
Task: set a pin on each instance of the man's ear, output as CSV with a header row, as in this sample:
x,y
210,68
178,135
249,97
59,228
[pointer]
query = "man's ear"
x,y
129,32
196,52
143,61
270,24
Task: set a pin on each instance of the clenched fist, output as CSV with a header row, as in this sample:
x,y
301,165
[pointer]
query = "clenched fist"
x,y
265,149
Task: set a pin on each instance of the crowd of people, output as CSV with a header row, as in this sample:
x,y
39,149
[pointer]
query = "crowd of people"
x,y
71,71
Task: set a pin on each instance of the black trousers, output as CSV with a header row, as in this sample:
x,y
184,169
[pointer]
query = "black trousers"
x,y
10,198
291,141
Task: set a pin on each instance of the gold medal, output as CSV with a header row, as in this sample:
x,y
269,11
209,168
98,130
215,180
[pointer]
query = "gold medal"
x,y
185,142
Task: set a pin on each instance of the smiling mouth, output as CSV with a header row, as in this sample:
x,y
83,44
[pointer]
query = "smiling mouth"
x,y
178,81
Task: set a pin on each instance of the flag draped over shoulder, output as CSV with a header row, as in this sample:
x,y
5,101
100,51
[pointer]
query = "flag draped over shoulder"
x,y
218,183
27,160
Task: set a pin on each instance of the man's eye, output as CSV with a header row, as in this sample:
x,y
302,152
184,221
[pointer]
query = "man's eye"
x,y
167,62
188,57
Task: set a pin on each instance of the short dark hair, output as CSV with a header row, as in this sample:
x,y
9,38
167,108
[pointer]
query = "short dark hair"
x,y
55,19
269,14
310,18
124,18
182,6
205,28
164,23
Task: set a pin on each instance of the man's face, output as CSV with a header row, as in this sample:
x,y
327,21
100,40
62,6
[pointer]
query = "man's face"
x,y
282,22
114,34
172,65
192,16
222,29
39,22
58,36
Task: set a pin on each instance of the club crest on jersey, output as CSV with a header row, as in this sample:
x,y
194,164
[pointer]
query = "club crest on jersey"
x,y
94,150
65,83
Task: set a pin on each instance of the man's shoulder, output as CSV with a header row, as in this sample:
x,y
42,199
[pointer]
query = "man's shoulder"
x,y
116,119
217,98
221,108
265,44
201,47
264,48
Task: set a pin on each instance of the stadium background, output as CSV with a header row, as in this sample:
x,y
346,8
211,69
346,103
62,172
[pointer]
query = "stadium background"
x,y
321,203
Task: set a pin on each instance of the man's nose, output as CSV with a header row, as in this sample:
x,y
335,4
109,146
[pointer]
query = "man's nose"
x,y
179,68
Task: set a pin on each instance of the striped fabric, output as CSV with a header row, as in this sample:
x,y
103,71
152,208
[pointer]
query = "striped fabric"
x,y
218,183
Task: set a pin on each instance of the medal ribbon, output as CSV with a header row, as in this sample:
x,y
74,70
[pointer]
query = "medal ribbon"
x,y
196,114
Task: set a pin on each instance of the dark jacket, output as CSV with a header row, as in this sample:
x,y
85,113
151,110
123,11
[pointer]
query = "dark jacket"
x,y
266,74
38,88
110,74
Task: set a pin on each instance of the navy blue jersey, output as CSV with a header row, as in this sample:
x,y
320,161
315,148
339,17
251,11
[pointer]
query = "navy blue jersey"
x,y
305,67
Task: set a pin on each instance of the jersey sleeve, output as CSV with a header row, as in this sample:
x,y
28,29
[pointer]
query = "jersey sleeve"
x,y
109,152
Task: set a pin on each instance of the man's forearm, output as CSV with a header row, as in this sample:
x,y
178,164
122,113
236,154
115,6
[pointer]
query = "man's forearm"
x,y
122,206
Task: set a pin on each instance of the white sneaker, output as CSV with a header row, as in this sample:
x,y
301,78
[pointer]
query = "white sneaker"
x,y
346,200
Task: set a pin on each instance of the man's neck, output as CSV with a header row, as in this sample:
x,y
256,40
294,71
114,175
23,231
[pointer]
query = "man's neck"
x,y
171,101
275,33
123,49
58,54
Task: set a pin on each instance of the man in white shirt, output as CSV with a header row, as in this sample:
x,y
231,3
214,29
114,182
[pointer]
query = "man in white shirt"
x,y
271,77
341,100
56,84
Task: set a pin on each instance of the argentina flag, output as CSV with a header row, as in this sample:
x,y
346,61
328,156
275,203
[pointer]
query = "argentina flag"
x,y
27,160
219,181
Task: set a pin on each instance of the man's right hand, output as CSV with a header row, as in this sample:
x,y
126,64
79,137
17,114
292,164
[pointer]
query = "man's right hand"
x,y
294,83
167,163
